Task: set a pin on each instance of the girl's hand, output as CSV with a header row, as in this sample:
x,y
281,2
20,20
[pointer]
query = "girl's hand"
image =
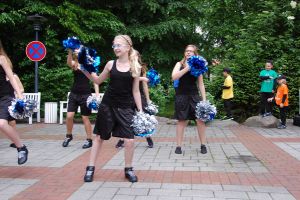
x,y
270,99
281,105
19,96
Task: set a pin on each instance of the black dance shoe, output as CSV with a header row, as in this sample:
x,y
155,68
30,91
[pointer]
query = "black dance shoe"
x,y
22,155
89,174
68,139
129,174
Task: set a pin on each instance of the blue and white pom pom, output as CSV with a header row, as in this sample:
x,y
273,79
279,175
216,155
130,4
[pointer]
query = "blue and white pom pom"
x,y
72,43
151,108
198,65
88,59
143,124
154,78
20,109
205,111
93,102
176,83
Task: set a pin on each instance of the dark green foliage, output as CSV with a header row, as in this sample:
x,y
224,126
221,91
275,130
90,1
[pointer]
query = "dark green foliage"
x,y
242,34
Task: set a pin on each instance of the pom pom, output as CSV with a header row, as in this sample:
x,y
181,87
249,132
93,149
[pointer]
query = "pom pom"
x,y
205,111
143,124
72,43
198,65
176,83
153,76
88,59
151,108
93,102
20,109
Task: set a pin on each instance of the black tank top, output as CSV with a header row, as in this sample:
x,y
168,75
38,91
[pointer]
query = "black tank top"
x,y
119,90
6,88
81,84
187,84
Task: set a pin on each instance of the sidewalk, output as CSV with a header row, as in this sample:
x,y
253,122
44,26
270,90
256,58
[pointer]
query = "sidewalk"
x,y
241,163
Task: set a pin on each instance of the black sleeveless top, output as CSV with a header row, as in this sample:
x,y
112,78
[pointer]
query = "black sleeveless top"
x,y
187,84
119,91
81,84
6,88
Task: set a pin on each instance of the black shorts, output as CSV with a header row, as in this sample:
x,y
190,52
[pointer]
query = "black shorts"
x,y
114,122
5,101
76,100
185,106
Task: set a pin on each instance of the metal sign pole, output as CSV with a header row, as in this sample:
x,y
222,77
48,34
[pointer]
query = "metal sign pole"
x,y
36,68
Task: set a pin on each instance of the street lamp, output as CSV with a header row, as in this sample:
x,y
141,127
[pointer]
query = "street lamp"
x,y
37,21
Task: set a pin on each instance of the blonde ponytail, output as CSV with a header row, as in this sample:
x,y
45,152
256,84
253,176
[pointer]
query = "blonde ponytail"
x,y
135,66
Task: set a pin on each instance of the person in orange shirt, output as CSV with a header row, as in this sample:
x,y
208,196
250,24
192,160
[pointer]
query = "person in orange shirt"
x,y
282,100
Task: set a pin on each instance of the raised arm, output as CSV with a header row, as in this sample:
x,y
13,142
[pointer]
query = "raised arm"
x,y
202,87
102,77
177,73
70,62
10,75
96,87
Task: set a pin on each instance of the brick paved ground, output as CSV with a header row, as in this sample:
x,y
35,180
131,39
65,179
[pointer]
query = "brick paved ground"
x,y
241,163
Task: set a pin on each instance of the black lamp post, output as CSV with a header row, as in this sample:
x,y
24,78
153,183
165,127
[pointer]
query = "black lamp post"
x,y
37,21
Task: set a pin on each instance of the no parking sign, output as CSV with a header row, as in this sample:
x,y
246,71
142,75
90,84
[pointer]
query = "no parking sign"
x,y
36,51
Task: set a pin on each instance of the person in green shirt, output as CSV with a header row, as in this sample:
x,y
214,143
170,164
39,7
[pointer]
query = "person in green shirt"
x,y
267,77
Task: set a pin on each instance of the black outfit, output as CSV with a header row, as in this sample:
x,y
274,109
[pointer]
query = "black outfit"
x,y
80,91
186,97
117,108
228,107
227,103
6,96
265,106
283,112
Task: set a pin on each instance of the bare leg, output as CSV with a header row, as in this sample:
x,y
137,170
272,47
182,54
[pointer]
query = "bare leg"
x,y
70,122
13,124
10,132
181,124
129,151
87,126
96,148
201,131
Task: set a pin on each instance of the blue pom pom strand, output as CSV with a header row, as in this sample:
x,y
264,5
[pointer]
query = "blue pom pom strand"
x,y
176,83
72,43
20,109
143,124
205,111
198,65
151,108
88,59
154,78
93,102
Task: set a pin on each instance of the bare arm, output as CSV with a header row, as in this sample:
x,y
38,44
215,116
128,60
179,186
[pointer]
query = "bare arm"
x,y
146,88
177,73
136,93
70,62
201,87
102,77
10,75
19,83
96,87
